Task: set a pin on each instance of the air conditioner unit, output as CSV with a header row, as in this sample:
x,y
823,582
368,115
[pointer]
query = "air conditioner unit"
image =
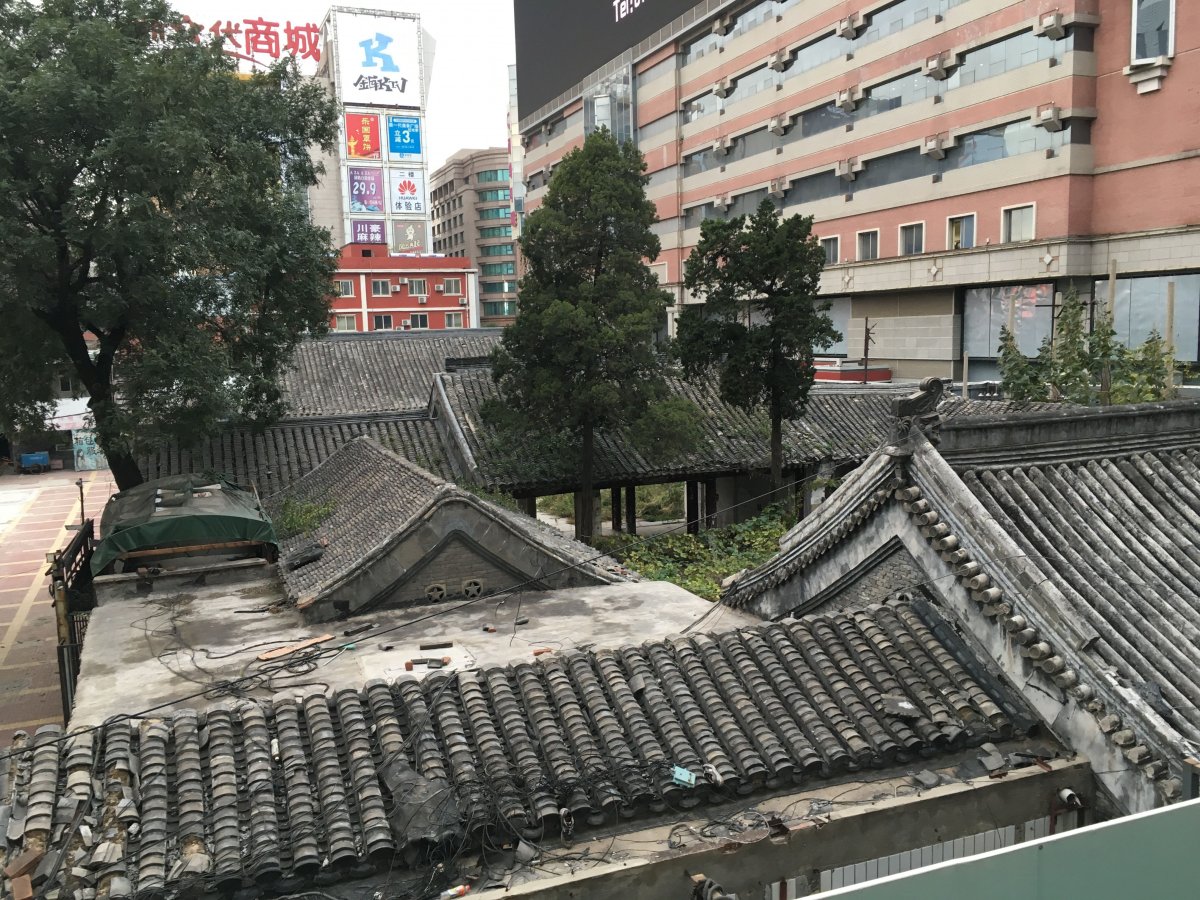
x,y
397,288
1049,117
422,299
779,124
724,201
847,100
462,301
940,65
440,289
777,188
1051,25
850,26
723,87
935,146
723,25
404,282
848,169
722,145
778,61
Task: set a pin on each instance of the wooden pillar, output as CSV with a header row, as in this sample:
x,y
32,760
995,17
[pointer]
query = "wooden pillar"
x,y
710,503
528,506
616,509
630,509
692,507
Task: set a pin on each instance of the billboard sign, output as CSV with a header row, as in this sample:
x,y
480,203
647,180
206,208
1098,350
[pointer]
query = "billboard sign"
x,y
368,231
261,39
406,191
559,44
363,139
410,237
404,137
88,455
366,193
379,59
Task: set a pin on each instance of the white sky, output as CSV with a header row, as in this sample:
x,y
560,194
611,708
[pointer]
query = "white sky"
x,y
467,105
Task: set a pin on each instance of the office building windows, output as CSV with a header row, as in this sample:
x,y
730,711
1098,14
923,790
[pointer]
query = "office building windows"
x,y
382,323
452,286
960,232
830,246
504,268
381,287
418,320
495,231
1018,224
498,212
491,196
418,287
499,287
1027,308
345,287
488,176
343,322
497,250
868,245
500,308
912,239
1153,30
1140,307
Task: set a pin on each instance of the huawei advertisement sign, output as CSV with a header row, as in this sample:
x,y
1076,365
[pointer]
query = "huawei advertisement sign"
x,y
560,43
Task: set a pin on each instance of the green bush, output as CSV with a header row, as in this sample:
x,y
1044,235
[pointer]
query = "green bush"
x,y
655,503
700,562
301,517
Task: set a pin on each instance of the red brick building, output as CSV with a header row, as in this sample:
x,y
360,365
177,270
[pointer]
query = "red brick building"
x,y
378,291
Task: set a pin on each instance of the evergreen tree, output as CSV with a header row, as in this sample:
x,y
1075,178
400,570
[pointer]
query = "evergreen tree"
x,y
1072,371
152,240
582,356
761,320
1020,378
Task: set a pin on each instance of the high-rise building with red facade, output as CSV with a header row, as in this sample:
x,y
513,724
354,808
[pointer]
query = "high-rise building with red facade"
x,y
966,161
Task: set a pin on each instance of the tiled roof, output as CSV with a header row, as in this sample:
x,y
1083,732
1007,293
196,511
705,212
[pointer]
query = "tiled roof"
x,y
380,372
285,791
956,408
272,459
375,496
839,426
1119,536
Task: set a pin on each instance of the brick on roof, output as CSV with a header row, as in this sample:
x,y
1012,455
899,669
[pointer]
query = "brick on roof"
x,y
283,791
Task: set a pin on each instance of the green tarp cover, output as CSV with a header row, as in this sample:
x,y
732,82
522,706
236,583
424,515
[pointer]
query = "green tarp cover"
x,y
179,511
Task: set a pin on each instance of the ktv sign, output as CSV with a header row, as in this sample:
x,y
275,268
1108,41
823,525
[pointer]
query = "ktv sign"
x,y
379,59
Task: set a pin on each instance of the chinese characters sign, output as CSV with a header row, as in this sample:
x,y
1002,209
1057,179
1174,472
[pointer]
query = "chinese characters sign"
x,y
368,231
379,59
88,455
366,189
262,40
404,137
363,140
406,192
411,237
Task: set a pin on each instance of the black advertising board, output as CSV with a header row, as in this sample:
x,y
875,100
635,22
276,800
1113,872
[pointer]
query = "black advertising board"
x,y
561,42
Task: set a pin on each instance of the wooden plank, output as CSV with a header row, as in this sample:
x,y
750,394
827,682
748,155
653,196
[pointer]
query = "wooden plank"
x,y
292,648
193,548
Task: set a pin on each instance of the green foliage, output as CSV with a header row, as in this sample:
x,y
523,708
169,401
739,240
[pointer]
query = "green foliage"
x,y
1086,367
655,503
761,321
301,517
582,356
150,203
699,563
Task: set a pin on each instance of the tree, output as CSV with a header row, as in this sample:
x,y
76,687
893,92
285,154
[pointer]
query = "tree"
x,y
1073,367
1020,377
581,356
761,321
153,235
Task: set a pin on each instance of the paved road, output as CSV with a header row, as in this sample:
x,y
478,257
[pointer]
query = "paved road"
x,y
34,510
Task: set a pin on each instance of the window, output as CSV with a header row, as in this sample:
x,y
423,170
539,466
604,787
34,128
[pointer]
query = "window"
x,y
912,239
1153,30
452,286
830,246
418,287
381,287
1018,224
496,231
499,287
345,323
454,320
345,287
1028,307
66,384
1141,307
382,323
504,268
492,175
868,245
496,212
960,232
493,195
500,308
418,320
497,250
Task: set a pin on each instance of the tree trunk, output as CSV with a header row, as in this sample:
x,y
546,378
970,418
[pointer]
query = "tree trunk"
x,y
776,451
121,462
124,469
585,510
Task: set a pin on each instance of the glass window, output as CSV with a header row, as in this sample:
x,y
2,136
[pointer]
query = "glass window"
x,y
418,320
492,175
500,308
655,71
830,246
868,245
497,250
839,314
499,287
382,323
496,212
987,310
491,196
454,320
504,268
345,323
1153,29
345,288
381,287
418,287
960,232
495,231
1141,307
694,215
912,239
665,125
1018,224
452,286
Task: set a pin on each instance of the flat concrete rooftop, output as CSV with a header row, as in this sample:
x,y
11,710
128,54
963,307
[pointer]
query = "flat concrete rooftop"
x,y
155,640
